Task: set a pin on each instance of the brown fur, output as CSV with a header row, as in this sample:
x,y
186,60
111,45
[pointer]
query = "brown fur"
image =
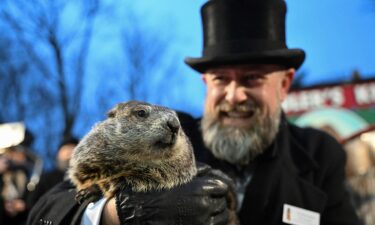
x,y
140,144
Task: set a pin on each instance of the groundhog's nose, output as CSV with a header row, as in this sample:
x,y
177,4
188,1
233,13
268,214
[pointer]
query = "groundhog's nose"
x,y
173,125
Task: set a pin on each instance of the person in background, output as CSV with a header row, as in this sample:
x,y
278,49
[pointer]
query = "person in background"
x,y
360,172
16,164
283,174
52,177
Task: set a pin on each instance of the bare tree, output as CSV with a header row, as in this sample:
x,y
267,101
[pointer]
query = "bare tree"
x,y
12,72
21,92
40,28
147,62
48,62
146,53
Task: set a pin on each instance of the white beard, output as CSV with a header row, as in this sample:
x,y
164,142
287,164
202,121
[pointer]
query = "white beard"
x,y
239,145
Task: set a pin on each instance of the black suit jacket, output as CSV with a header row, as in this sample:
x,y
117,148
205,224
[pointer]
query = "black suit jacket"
x,y
304,167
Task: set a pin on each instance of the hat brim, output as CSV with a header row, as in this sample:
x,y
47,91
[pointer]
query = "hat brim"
x,y
290,58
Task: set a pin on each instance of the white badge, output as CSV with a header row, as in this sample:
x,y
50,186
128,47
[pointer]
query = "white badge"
x,y
298,216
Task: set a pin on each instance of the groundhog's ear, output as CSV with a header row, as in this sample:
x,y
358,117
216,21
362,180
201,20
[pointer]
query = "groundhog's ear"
x,y
112,113
119,107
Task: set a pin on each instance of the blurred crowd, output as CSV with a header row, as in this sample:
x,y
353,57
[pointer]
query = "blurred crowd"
x,y
360,167
22,179
360,172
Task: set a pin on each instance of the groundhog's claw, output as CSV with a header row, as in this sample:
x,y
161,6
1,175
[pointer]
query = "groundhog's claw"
x,y
93,193
81,195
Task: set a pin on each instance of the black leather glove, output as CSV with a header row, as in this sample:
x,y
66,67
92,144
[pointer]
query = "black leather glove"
x,y
199,202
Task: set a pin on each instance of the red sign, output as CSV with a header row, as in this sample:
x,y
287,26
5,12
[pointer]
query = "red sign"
x,y
350,96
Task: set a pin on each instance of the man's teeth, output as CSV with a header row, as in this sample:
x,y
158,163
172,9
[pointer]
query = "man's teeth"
x,y
238,114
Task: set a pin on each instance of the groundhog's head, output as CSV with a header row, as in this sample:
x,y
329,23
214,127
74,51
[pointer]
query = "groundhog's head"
x,y
141,142
135,135
139,146
145,130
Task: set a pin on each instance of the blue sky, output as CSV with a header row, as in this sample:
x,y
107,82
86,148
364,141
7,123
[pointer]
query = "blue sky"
x,y
337,35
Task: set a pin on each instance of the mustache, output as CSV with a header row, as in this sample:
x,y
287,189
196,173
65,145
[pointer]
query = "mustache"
x,y
242,107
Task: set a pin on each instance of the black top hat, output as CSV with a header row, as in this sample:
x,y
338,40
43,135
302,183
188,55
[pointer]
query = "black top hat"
x,y
245,31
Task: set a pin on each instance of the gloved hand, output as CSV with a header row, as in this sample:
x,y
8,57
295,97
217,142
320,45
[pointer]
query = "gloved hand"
x,y
199,202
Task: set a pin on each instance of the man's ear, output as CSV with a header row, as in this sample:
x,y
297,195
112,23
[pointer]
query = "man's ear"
x,y
204,78
286,82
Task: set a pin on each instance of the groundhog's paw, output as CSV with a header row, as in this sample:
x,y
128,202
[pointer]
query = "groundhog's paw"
x,y
92,194
81,196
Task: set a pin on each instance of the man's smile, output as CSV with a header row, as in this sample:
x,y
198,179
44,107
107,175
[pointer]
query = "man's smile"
x,y
236,118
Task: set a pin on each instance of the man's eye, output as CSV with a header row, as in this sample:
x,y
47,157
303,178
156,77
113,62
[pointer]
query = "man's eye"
x,y
253,77
219,78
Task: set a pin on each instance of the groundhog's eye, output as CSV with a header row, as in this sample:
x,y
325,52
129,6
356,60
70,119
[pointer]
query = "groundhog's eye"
x,y
141,113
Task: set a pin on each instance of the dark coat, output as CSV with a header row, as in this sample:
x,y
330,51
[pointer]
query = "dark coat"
x,y
47,181
57,207
303,168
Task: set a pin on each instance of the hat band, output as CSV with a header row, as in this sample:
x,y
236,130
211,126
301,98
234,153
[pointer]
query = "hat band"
x,y
242,47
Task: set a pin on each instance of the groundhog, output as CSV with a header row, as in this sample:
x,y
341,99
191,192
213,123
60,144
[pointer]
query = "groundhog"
x,y
140,144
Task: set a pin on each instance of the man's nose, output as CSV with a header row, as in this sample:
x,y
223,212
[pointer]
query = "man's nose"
x,y
235,93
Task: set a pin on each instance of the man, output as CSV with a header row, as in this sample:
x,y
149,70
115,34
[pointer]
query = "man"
x,y
279,169
282,174
50,178
16,163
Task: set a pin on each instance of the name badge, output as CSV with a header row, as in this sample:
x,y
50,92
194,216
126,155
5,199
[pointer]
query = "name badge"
x,y
298,216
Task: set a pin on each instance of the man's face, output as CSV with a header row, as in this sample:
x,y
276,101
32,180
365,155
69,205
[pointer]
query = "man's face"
x,y
242,109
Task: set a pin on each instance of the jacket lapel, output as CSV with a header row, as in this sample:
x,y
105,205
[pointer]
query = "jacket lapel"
x,y
279,180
